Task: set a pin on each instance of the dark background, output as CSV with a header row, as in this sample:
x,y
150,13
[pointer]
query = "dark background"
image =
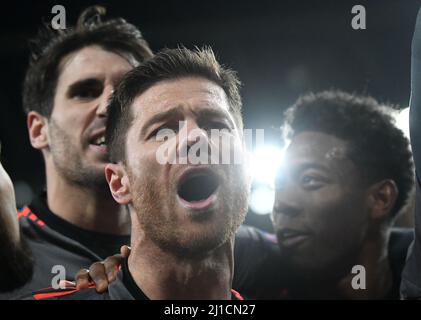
x,y
280,49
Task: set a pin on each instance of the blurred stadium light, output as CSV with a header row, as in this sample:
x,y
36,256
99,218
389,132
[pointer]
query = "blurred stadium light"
x,y
265,161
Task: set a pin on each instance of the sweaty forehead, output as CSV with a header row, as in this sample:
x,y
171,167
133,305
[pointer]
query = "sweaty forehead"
x,y
316,146
187,93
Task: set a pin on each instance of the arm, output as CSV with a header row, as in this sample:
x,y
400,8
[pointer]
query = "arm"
x,y
15,258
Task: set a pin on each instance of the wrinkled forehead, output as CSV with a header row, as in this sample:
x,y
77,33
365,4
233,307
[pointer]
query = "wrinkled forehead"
x,y
187,95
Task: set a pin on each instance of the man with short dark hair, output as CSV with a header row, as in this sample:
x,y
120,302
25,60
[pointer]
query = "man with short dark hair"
x,y
184,214
70,77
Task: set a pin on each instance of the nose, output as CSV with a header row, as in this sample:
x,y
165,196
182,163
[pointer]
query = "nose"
x,y
104,101
192,135
286,204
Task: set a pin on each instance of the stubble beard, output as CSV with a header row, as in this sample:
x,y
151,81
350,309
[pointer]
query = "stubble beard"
x,y
165,228
70,165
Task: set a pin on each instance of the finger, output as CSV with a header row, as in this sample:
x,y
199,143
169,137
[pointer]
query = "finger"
x,y
64,284
112,266
83,280
125,251
99,277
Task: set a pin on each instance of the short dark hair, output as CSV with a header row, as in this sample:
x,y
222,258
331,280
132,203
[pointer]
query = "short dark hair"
x,y
50,46
378,148
166,65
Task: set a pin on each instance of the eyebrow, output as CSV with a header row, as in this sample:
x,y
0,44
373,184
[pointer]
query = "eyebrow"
x,y
213,113
176,112
310,165
160,117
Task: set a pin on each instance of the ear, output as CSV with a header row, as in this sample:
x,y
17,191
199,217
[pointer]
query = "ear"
x,y
38,130
118,182
382,199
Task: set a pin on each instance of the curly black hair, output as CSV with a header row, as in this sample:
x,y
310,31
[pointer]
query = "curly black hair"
x,y
378,148
50,46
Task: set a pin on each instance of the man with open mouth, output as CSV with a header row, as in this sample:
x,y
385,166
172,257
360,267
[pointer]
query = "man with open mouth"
x,y
184,216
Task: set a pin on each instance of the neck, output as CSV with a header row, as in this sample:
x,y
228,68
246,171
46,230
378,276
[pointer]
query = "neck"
x,y
85,207
162,275
373,257
378,274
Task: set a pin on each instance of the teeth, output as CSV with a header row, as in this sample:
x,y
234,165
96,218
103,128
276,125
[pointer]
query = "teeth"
x,y
99,141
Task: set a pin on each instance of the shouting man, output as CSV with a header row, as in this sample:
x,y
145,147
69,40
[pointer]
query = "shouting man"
x,y
184,213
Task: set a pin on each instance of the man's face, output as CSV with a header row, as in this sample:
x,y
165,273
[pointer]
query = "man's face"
x,y
320,214
77,123
187,209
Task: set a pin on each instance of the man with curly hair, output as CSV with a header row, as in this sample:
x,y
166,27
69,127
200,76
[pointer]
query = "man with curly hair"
x,y
346,175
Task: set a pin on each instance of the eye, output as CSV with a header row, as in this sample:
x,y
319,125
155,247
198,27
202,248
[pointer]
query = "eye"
x,y
88,93
87,90
215,125
312,182
220,125
164,132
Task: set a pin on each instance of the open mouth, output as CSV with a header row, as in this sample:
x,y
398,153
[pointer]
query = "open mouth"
x,y
197,190
98,145
99,141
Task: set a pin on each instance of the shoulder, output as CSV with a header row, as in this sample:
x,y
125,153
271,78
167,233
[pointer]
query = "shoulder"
x,y
400,239
399,242
28,218
248,234
258,264
253,241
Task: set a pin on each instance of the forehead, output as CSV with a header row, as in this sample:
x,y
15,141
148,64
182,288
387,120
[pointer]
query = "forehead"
x,y
91,62
189,94
317,147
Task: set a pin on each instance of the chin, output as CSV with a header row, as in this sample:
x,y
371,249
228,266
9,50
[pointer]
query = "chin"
x,y
203,244
313,266
197,239
96,168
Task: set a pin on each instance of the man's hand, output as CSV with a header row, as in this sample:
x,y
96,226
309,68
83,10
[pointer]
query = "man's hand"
x,y
101,274
9,224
